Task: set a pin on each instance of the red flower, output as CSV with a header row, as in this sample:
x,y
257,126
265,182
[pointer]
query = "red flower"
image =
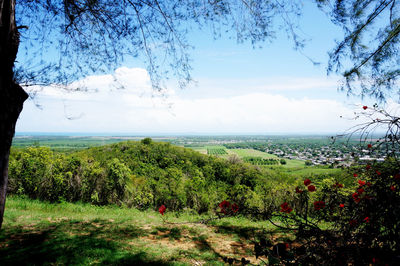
x,y
360,190
224,205
362,183
338,185
298,190
235,207
369,184
392,188
356,197
311,188
162,209
376,260
368,167
369,146
286,246
341,205
319,205
355,175
286,208
352,222
307,182
378,173
366,219
365,107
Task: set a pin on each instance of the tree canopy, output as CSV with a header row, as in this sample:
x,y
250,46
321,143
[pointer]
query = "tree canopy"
x,y
95,36
368,55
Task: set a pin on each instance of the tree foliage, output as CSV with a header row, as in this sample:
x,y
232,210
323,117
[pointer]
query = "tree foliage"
x,y
340,224
368,55
136,174
95,36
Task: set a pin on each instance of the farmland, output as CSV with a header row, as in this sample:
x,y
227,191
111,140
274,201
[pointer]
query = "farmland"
x,y
293,167
216,150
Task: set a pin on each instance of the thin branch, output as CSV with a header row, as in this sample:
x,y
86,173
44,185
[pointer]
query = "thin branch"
x,y
393,34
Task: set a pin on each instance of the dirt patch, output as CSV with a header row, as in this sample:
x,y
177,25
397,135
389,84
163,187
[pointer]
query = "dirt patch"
x,y
56,220
205,239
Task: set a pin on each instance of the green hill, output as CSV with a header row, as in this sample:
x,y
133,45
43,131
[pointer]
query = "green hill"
x,y
136,174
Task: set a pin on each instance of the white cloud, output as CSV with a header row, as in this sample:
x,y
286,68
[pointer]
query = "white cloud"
x,y
138,108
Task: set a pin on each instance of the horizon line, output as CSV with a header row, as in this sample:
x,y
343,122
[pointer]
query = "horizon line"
x,y
171,134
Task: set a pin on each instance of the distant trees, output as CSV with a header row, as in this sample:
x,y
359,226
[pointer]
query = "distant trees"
x,y
257,160
147,141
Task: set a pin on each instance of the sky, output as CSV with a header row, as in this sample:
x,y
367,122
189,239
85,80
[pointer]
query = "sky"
x,y
237,90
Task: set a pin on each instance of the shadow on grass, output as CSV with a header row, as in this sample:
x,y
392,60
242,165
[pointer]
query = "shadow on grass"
x,y
174,233
247,232
202,244
72,242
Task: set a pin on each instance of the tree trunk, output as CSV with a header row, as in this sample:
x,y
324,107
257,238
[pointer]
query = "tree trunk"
x,y
12,96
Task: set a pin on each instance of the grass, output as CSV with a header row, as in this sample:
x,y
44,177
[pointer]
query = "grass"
x,y
202,150
207,148
36,232
253,153
216,151
315,171
292,167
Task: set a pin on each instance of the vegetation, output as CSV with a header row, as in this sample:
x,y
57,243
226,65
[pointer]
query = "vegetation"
x,y
308,208
338,223
65,143
216,151
148,174
136,174
37,232
143,174
261,161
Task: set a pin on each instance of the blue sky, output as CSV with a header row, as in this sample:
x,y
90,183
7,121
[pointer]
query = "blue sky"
x,y
238,90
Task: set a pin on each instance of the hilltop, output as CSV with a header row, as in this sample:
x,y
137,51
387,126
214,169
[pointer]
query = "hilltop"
x,y
140,174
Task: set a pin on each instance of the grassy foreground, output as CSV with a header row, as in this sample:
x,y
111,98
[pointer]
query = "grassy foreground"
x,y
35,232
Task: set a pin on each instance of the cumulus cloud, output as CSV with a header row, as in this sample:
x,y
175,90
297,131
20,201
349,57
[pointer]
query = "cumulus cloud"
x,y
125,102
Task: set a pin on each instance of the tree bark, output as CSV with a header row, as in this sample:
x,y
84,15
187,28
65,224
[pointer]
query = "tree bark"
x,y
12,96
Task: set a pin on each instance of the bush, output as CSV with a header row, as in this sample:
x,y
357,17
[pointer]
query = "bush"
x,y
335,224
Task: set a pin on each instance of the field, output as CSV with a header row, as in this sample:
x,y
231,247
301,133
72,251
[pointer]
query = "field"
x,y
250,153
292,167
72,143
253,153
66,233
216,150
65,143
201,149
